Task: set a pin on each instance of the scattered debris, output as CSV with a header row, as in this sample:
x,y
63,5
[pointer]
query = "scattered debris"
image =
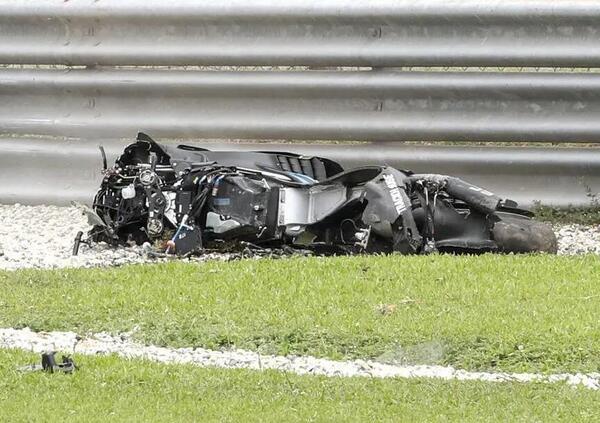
x,y
50,365
187,200
386,309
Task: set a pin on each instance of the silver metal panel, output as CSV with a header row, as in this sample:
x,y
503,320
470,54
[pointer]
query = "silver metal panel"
x,y
371,106
307,206
45,171
301,32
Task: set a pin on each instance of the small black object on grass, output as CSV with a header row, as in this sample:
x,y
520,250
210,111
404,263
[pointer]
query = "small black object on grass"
x,y
49,364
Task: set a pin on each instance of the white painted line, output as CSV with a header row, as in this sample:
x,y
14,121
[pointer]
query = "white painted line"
x,y
103,343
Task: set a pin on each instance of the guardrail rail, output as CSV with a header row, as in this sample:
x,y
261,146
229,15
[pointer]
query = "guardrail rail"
x,y
327,70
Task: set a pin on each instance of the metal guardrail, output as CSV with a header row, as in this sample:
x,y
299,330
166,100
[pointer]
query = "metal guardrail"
x,y
376,105
373,105
49,171
301,32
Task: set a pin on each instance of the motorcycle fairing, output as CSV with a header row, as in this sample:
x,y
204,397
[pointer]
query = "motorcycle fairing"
x,y
192,198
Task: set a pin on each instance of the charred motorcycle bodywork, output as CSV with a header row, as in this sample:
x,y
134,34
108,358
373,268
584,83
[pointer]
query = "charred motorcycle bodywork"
x,y
191,199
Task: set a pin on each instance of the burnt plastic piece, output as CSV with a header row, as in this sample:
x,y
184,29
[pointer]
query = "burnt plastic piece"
x,y
77,243
103,154
187,240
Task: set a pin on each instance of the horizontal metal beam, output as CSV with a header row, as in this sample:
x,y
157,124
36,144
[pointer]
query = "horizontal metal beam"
x,y
371,106
301,32
47,171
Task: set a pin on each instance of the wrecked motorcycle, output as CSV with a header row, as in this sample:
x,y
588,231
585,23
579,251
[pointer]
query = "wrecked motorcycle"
x,y
188,200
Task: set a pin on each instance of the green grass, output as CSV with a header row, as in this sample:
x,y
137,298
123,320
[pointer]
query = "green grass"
x,y
113,389
514,313
581,215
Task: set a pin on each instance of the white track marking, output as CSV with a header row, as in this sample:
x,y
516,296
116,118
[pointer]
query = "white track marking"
x,y
103,343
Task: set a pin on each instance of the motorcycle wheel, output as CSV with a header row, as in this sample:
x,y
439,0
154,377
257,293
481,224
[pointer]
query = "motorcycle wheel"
x,y
519,234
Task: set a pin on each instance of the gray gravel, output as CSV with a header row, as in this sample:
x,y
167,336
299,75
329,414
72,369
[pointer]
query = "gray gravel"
x,y
42,237
121,345
578,239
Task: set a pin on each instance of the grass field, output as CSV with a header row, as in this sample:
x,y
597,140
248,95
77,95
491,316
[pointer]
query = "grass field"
x,y
511,313
111,389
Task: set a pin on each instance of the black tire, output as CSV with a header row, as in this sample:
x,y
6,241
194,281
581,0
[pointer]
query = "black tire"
x,y
517,234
